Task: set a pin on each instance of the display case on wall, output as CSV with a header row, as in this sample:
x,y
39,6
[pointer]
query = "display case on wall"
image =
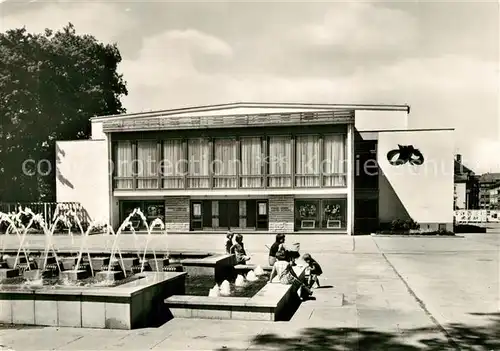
x,y
333,214
151,209
306,214
320,214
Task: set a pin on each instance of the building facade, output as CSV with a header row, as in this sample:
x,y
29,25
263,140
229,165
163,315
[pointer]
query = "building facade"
x,y
262,168
466,187
487,182
495,197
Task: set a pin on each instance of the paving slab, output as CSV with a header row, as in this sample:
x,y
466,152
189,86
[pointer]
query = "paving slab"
x,y
144,339
189,334
38,339
399,294
94,339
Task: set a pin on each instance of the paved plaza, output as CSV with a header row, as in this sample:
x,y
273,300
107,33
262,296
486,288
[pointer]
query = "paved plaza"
x,y
400,294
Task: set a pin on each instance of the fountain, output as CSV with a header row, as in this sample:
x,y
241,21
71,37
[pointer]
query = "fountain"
x,y
258,271
123,279
131,264
214,292
42,294
240,280
251,277
8,268
156,223
225,288
44,263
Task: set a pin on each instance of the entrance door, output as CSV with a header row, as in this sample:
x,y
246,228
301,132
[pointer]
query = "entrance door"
x,y
251,214
196,215
229,215
366,215
207,214
234,213
262,215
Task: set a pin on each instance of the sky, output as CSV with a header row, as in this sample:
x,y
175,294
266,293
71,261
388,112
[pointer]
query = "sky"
x,y
440,57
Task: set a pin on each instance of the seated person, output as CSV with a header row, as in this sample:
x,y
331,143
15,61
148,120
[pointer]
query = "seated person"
x,y
238,249
314,270
292,256
283,273
280,240
229,241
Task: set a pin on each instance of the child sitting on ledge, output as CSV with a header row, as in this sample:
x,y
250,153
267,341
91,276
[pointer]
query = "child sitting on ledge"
x,y
283,273
314,270
229,241
238,249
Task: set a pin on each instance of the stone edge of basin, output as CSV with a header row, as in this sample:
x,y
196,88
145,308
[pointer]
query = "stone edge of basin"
x,y
130,289
269,296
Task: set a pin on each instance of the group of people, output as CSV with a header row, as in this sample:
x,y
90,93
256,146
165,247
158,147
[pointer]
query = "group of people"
x,y
282,260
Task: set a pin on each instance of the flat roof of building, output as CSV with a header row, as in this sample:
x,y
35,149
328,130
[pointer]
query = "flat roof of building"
x,y
261,105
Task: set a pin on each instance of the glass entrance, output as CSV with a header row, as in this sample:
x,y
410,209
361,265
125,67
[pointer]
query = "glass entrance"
x,y
248,214
229,214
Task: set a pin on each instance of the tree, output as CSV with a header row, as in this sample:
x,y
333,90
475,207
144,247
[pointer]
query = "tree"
x,y
50,85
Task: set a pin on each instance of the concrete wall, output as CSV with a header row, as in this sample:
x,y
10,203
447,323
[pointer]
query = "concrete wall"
x,y
82,176
96,130
366,121
423,193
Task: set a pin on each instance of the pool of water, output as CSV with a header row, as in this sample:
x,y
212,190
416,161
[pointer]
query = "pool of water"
x,y
19,283
201,285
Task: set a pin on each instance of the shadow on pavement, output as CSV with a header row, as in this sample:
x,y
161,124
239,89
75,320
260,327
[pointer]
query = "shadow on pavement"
x,y
324,287
460,337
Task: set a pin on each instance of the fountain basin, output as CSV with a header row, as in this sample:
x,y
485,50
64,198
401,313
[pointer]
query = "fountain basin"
x,y
220,266
129,263
10,260
51,260
67,263
137,304
97,263
8,273
109,276
274,302
245,268
158,264
73,275
201,284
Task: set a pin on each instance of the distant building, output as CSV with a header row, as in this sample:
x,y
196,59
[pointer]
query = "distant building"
x,y
466,187
487,182
495,197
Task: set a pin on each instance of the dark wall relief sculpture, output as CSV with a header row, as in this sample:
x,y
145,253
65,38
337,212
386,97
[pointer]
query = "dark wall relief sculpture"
x,y
405,154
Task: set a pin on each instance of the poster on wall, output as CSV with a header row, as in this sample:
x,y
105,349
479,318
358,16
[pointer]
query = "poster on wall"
x,y
197,210
262,209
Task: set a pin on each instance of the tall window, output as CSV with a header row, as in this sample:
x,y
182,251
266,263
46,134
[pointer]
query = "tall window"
x,y
251,162
280,161
334,163
147,164
173,164
198,163
124,165
225,163
307,161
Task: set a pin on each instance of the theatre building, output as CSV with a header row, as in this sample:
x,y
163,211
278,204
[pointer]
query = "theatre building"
x,y
255,167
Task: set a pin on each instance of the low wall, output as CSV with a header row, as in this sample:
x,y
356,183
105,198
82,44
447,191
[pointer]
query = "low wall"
x,y
274,302
136,304
477,216
220,267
